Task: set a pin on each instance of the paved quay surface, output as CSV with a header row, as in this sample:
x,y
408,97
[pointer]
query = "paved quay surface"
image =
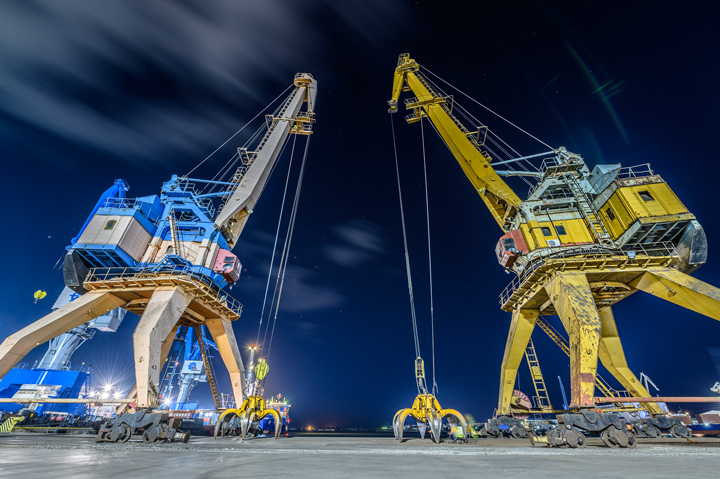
x,y
316,456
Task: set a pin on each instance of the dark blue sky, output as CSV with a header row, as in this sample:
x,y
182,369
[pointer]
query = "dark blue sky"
x,y
91,92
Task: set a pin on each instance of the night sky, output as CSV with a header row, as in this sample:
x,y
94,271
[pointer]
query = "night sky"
x,y
94,91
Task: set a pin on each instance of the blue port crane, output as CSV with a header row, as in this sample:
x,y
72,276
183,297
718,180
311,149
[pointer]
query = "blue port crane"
x,y
169,257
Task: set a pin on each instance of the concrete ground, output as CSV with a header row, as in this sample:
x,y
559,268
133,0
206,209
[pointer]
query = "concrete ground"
x,y
34,455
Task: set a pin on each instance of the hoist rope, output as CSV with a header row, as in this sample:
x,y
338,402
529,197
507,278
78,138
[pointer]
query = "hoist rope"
x,y
490,136
237,132
488,109
275,290
288,242
407,255
277,235
427,213
52,274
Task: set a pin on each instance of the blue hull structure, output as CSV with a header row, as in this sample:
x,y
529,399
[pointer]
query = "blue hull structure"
x,y
57,384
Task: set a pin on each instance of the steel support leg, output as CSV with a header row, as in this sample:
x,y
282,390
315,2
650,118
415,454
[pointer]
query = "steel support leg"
x,y
86,307
573,300
613,358
681,289
162,313
224,337
521,328
164,351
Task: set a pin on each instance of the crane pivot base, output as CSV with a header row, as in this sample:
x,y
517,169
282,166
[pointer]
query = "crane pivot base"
x,y
656,426
515,426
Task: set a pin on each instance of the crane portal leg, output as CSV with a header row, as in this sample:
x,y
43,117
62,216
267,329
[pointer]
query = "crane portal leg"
x,y
612,357
86,307
164,351
521,328
681,289
224,337
573,300
162,313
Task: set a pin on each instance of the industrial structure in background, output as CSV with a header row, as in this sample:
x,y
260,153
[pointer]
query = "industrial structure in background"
x,y
55,376
581,241
167,258
190,369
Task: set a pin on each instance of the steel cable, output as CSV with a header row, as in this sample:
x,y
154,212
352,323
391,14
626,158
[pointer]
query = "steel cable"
x,y
407,254
488,109
237,132
288,241
427,212
277,234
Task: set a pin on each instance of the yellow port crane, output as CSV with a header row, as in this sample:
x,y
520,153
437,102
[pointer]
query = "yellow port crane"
x,y
580,242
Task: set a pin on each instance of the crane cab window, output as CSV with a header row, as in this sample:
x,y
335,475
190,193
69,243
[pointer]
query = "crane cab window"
x,y
508,243
610,214
646,196
560,230
546,231
169,250
110,224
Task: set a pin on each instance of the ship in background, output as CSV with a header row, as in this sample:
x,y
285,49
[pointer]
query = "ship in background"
x,y
280,404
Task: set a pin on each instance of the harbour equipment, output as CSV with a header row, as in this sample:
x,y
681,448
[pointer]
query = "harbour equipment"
x,y
541,398
39,294
155,427
168,257
55,376
428,413
425,409
252,410
190,371
581,241
10,422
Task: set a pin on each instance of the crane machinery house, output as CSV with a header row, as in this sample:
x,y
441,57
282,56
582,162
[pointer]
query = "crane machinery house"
x,y
170,231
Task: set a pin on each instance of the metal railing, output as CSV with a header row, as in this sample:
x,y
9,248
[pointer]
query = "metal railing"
x,y
204,203
637,171
631,252
663,248
128,204
160,273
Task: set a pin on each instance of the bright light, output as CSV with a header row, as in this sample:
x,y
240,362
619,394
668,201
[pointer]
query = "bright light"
x,y
104,395
107,387
167,402
117,395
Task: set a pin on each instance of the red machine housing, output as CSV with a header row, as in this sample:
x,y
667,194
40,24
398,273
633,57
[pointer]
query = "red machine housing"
x,y
228,265
510,246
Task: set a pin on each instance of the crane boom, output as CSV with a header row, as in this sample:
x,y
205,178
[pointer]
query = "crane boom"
x,y
465,145
250,178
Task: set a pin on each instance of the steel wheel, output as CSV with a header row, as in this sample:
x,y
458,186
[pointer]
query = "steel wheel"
x,y
575,438
632,440
605,436
127,433
680,431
